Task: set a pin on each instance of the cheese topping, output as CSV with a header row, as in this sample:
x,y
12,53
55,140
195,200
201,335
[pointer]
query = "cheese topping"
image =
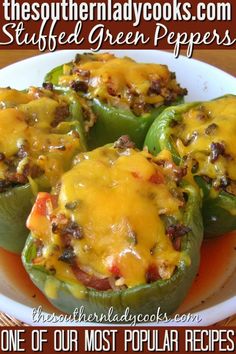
x,y
10,98
117,199
122,81
13,129
206,134
30,143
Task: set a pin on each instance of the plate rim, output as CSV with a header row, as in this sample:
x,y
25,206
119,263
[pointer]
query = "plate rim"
x,y
213,311
182,57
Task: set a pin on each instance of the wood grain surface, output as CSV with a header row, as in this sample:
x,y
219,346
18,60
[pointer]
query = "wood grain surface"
x,y
223,59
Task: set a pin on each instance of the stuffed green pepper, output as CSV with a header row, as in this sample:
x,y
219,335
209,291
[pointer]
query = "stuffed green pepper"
x,y
122,230
124,95
201,137
40,133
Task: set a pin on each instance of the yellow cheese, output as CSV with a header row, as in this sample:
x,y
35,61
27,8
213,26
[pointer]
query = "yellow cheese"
x,y
28,121
41,112
222,113
13,129
121,81
51,287
64,274
77,290
10,98
119,210
47,153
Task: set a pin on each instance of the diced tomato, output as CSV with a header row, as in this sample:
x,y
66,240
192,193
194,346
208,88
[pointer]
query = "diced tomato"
x,y
157,178
40,209
40,206
115,270
152,273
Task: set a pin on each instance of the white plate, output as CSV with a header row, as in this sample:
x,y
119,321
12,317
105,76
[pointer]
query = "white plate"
x,y
203,82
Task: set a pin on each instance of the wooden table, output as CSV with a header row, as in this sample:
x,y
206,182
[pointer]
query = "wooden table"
x,y
223,59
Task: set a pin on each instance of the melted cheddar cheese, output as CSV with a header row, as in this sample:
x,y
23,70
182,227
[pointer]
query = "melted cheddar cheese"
x,y
119,206
206,124
10,98
122,81
26,122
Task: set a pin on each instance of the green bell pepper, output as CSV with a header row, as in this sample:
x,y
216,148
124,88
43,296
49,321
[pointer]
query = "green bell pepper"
x,y
113,123
114,119
142,299
16,199
219,205
15,205
218,212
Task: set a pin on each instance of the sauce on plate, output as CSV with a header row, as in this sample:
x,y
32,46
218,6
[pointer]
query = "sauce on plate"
x,y
217,262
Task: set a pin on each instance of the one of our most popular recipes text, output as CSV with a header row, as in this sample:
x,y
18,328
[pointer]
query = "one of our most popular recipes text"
x,y
110,340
